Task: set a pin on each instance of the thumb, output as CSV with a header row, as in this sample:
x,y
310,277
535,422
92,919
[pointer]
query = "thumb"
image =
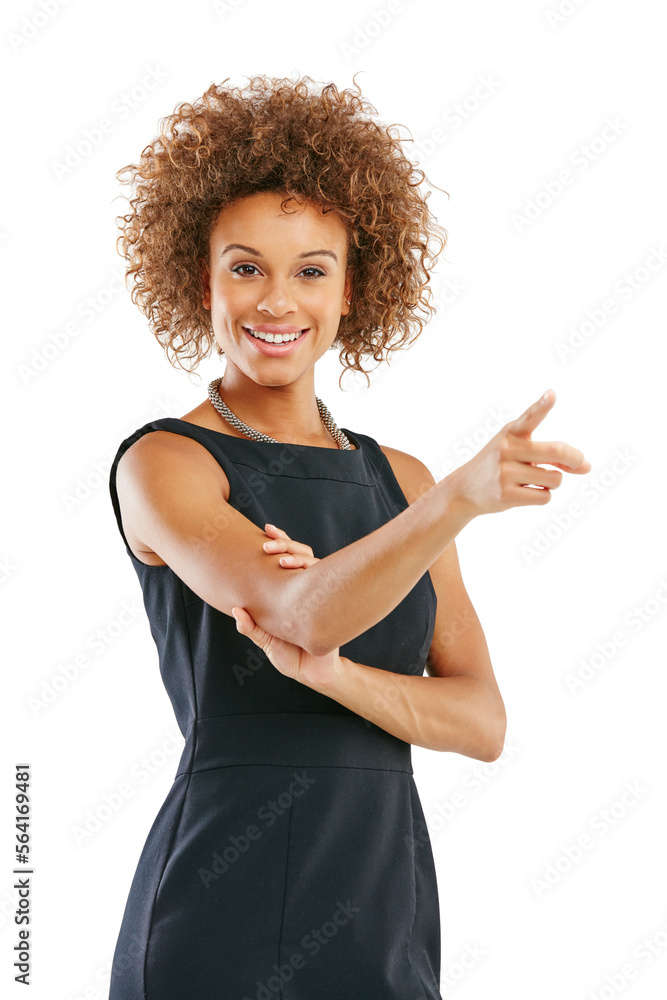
x,y
244,622
525,424
246,625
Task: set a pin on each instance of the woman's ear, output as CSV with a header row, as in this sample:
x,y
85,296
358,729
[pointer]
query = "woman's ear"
x,y
205,283
347,292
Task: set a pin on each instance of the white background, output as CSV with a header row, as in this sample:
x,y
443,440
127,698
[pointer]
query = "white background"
x,y
552,593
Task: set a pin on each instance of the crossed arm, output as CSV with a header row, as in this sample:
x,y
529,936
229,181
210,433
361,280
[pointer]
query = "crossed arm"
x,y
457,708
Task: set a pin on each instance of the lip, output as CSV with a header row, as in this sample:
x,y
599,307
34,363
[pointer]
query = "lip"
x,y
276,350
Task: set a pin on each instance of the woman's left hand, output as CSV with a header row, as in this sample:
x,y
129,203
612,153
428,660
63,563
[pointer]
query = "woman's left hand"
x,y
291,660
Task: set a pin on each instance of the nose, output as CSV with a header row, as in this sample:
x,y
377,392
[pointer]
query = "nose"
x,y
276,299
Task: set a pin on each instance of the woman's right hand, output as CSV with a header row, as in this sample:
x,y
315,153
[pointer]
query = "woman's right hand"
x,y
498,477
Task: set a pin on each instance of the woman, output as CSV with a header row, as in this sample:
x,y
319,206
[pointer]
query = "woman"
x,y
298,578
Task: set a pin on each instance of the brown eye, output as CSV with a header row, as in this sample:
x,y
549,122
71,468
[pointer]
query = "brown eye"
x,y
238,267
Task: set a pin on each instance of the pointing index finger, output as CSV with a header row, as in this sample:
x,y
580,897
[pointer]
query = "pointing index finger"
x,y
525,424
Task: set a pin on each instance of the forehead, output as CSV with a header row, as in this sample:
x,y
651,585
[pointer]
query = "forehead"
x,y
262,214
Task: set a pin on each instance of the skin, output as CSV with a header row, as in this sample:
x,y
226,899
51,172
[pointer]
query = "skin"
x,y
276,395
458,706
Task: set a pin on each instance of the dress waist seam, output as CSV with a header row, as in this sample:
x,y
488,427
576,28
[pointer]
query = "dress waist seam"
x,y
333,765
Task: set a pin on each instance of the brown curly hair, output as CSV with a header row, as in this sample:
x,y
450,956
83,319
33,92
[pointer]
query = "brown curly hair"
x,y
278,135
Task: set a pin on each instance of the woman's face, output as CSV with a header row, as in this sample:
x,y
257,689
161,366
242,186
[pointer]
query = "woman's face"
x,y
280,273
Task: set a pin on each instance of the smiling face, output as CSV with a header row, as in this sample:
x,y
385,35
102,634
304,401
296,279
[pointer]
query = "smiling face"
x,y
280,274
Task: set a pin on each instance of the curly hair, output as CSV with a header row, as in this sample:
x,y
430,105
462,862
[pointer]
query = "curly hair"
x,y
279,135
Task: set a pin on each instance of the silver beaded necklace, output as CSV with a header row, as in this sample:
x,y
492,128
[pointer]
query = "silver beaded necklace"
x,y
337,434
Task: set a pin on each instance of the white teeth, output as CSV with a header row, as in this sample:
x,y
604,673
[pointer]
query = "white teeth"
x,y
270,338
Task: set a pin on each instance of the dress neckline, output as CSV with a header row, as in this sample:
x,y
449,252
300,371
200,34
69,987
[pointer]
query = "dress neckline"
x,y
271,444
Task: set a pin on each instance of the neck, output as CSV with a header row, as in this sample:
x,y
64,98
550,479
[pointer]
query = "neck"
x,y
285,412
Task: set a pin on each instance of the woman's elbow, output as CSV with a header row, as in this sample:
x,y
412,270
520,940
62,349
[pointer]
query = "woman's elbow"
x,y
300,627
493,742
301,623
318,644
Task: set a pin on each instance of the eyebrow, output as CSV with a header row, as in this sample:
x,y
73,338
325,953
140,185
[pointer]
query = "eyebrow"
x,y
256,253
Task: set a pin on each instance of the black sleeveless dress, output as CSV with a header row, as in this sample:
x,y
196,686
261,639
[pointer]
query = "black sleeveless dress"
x,y
290,859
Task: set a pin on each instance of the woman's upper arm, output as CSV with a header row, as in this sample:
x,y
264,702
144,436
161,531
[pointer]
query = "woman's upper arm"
x,y
458,646
171,490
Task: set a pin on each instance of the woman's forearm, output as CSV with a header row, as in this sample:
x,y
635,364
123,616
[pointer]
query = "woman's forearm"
x,y
459,714
350,590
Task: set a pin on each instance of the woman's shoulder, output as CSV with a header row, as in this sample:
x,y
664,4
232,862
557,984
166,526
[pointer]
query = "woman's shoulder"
x,y
413,476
